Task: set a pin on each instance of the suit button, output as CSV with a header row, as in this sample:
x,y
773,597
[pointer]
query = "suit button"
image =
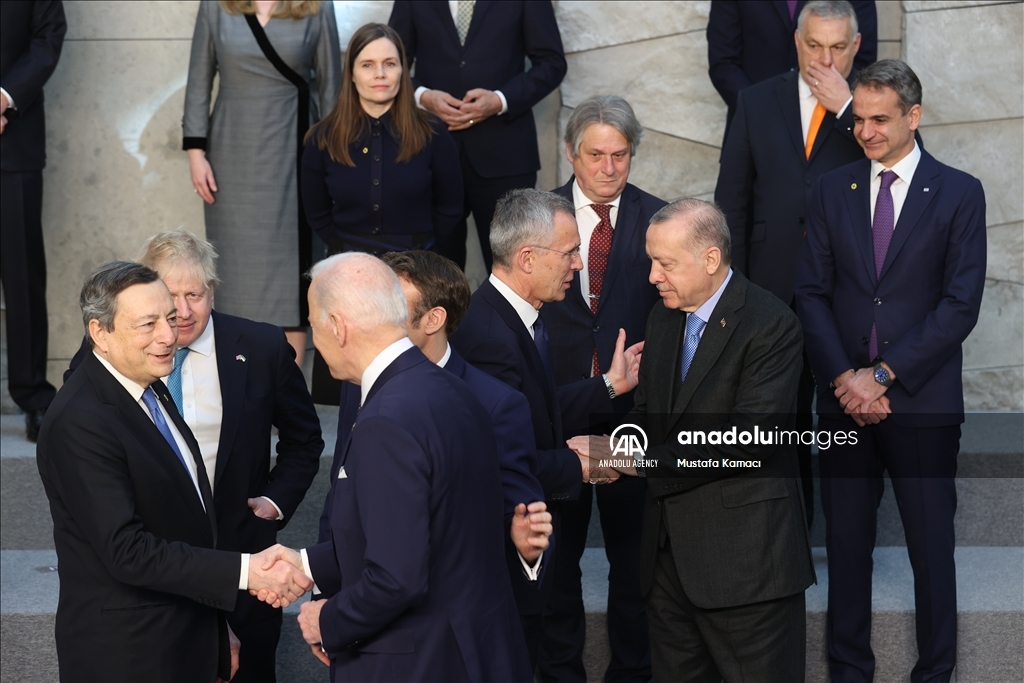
x,y
376,158
376,230
863,340
462,64
597,329
376,207
376,182
878,302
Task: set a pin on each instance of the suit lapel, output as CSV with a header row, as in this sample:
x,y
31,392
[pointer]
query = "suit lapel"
x,y
233,375
858,201
925,185
480,8
827,125
445,16
788,95
526,343
783,9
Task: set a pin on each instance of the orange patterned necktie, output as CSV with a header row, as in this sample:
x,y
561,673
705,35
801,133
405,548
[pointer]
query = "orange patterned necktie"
x,y
597,260
812,130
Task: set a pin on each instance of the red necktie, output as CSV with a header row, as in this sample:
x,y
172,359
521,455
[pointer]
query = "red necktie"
x,y
597,260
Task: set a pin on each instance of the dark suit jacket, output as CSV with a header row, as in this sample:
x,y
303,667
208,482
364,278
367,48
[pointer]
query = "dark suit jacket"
x,y
924,304
500,36
750,41
765,179
626,298
738,536
31,37
141,588
416,547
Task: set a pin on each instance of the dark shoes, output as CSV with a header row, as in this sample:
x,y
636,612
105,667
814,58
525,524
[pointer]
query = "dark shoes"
x,y
33,421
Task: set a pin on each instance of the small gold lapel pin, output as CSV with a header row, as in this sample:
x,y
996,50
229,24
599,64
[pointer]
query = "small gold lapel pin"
x,y
240,357
853,186
366,150
723,322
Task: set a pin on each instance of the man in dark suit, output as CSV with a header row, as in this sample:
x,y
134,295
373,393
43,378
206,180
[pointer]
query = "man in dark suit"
x,y
611,292
788,131
750,41
234,380
726,557
470,72
890,285
142,589
31,37
414,568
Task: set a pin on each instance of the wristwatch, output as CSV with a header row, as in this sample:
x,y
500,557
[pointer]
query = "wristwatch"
x,y
608,386
882,375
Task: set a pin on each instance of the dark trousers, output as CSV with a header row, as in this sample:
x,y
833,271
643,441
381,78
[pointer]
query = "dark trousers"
x,y
257,660
759,643
23,269
620,506
481,194
922,467
805,423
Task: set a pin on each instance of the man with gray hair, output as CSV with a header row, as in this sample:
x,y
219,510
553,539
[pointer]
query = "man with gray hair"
x,y
536,248
414,568
610,292
725,555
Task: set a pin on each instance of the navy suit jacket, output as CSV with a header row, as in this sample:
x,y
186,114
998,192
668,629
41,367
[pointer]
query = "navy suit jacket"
x,y
924,304
415,550
765,180
626,299
501,35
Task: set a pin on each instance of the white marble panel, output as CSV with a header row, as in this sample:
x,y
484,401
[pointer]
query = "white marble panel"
x,y
589,25
664,166
933,5
890,20
545,114
890,49
351,15
136,20
998,389
664,79
990,151
970,62
996,339
1006,253
116,173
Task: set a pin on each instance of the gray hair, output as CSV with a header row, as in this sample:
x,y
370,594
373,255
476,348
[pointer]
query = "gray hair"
x,y
705,225
524,217
178,246
828,9
607,109
895,74
361,288
98,299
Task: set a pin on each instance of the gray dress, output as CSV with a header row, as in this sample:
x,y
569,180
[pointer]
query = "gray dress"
x,y
250,142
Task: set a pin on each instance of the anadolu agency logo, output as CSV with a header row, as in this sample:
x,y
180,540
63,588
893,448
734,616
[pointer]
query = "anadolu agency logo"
x,y
628,443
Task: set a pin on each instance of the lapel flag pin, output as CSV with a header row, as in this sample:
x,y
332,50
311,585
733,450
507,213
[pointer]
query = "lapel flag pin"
x,y
723,322
926,189
240,357
853,186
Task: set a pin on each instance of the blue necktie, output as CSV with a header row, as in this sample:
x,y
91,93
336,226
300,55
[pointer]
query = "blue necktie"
x,y
149,398
174,380
691,339
540,338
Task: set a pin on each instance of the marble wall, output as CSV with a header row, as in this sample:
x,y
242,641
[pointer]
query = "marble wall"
x,y
117,174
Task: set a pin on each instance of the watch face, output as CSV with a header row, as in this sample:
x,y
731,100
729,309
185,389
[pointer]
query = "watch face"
x,y
881,376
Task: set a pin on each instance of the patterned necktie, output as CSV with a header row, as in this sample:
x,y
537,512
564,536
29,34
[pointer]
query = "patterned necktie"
x,y
597,261
882,226
149,398
463,18
540,338
812,130
691,338
174,380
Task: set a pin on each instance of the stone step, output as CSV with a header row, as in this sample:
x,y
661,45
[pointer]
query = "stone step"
x,y
990,596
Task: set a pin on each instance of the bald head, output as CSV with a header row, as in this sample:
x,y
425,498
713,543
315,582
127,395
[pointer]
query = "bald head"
x,y
361,288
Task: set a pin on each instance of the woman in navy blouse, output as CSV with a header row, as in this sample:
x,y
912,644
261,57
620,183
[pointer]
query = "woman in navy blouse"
x,y
379,174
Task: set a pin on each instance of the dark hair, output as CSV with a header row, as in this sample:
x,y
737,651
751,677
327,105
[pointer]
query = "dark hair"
x,y
438,280
347,123
98,299
895,74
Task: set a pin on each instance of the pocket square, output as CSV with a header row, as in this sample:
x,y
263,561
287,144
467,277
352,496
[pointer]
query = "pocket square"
x,y
341,473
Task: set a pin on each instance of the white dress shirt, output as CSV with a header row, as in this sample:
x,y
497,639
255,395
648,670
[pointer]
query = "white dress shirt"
x,y
807,104
708,307
201,404
904,170
527,313
587,219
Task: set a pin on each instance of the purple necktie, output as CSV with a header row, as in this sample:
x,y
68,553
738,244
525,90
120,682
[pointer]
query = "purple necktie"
x,y
881,234
791,4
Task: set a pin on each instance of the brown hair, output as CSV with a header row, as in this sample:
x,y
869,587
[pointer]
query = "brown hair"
x,y
287,9
348,122
438,280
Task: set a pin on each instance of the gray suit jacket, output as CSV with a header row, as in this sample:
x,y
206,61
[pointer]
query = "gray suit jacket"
x,y
738,535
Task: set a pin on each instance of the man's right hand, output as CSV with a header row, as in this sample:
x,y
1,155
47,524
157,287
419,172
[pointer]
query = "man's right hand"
x,y
873,414
276,576
531,527
442,105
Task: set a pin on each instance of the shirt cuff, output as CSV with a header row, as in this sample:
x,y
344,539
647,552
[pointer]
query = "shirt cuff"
x,y
504,102
843,108
418,94
307,571
280,515
532,573
243,578
10,100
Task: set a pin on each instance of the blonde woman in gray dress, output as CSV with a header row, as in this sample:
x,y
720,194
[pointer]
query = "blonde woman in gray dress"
x,y
276,62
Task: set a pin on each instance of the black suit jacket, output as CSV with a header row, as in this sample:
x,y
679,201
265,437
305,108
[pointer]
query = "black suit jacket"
x,y
141,588
750,41
738,536
501,35
31,37
626,298
765,179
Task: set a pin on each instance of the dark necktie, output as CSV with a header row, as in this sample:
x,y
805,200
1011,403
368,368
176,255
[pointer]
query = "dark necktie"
x,y
149,398
597,261
174,380
882,226
691,338
540,338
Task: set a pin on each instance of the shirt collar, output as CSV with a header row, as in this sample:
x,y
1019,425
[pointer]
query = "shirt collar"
x,y
804,89
527,313
380,363
708,307
446,357
131,386
581,200
904,168
204,344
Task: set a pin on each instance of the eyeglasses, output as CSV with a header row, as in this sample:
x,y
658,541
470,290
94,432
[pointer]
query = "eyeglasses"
x,y
572,255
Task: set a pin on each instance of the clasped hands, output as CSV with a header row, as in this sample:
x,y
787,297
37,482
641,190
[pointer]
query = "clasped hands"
x,y
862,397
591,450
276,576
477,105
